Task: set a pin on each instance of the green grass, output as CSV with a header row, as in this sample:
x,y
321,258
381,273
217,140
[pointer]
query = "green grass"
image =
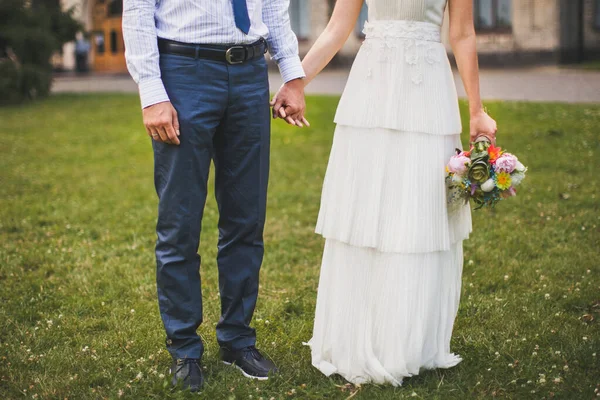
x,y
78,314
591,65
586,65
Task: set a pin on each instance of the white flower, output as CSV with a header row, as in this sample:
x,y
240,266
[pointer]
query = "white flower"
x,y
520,167
516,178
457,178
547,296
488,185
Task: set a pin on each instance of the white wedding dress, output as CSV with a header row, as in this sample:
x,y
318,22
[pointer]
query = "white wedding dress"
x,y
391,272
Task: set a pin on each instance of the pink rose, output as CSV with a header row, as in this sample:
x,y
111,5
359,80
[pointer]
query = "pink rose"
x,y
506,163
458,164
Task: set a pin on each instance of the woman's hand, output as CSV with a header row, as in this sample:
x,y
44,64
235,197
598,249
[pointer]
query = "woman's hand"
x,y
483,125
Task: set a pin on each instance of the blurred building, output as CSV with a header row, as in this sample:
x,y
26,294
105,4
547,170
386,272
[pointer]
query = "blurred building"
x,y
509,31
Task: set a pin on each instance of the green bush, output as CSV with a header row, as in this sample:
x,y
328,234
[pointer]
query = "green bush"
x,y
10,91
30,33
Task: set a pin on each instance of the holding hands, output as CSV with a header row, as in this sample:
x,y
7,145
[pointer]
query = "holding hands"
x,y
162,123
289,105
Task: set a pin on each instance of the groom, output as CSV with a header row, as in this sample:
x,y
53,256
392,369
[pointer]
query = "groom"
x,y
204,91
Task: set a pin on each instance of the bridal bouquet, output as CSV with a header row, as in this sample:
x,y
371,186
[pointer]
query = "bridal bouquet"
x,y
485,174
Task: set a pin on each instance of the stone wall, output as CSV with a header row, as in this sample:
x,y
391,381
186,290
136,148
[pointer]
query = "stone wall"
x,y
534,36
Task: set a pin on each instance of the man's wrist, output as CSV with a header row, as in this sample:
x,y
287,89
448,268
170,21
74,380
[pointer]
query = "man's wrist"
x,y
290,68
296,83
152,92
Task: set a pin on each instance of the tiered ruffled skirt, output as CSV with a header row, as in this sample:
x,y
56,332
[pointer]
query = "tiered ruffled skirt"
x,y
391,272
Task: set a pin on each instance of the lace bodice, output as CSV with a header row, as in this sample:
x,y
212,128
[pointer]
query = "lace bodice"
x,y
431,11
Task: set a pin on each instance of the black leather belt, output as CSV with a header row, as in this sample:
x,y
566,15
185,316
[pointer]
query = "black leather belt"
x,y
233,54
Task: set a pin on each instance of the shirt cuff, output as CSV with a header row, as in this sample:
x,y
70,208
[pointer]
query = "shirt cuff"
x,y
291,68
152,91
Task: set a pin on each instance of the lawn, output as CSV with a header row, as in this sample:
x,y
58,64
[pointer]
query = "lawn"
x,y
591,65
78,315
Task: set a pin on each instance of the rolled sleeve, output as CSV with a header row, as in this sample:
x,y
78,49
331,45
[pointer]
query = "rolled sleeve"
x,y
141,50
283,44
152,91
291,68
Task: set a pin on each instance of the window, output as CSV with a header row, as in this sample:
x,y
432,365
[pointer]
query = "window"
x,y
362,18
115,8
493,15
300,18
114,48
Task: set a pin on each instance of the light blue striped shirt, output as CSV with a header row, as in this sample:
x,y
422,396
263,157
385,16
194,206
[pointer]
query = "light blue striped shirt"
x,y
201,21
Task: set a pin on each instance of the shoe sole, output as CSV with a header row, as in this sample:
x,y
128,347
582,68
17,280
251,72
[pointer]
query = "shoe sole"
x,y
247,375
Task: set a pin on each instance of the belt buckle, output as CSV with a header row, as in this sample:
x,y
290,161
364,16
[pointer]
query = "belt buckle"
x,y
229,54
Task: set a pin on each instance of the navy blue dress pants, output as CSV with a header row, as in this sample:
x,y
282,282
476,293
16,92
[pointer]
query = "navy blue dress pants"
x,y
224,116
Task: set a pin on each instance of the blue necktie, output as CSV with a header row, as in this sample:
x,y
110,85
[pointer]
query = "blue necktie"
x,y
240,12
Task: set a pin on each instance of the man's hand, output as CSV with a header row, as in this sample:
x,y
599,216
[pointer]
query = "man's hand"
x,y
289,103
161,122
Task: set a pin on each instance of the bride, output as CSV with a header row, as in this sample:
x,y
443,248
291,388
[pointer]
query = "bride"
x,y
391,272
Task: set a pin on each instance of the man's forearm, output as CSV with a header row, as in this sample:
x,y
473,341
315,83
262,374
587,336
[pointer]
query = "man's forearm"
x,y
283,44
141,50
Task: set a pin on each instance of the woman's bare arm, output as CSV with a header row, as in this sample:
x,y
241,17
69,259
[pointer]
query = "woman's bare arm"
x,y
339,28
330,41
464,46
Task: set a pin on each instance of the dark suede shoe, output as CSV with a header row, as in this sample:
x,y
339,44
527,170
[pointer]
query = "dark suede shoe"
x,y
249,360
187,373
